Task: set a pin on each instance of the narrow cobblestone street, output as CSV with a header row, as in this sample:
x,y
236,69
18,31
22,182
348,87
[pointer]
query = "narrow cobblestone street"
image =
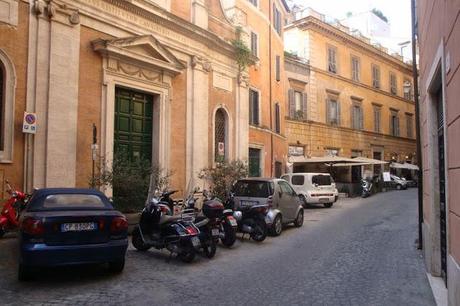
x,y
359,252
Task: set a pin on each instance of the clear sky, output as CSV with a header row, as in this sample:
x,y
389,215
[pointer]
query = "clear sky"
x,y
398,12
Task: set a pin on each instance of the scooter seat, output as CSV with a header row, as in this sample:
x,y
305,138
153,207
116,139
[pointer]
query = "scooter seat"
x,y
168,219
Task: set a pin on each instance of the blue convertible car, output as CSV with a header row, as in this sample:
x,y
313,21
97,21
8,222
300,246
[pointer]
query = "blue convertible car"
x,y
66,226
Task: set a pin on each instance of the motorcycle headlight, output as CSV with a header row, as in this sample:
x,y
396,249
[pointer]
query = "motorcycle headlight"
x,y
238,215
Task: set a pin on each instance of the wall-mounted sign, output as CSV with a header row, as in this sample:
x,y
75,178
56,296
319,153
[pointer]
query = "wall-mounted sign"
x,y
386,177
296,151
29,124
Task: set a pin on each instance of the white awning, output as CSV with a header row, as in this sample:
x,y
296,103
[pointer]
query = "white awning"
x,y
369,161
323,159
403,166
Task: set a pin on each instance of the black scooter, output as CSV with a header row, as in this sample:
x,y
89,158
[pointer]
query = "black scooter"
x,y
250,219
366,185
158,228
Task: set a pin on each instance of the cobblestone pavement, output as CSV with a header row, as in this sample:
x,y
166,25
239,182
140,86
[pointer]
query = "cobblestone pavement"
x,y
359,252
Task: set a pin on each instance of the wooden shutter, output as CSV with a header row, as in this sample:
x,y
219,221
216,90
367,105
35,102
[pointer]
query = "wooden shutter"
x,y
338,113
391,125
304,105
278,68
361,118
328,111
397,126
256,108
291,101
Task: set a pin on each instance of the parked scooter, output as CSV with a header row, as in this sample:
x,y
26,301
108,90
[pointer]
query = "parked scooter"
x,y
215,220
250,219
366,185
9,216
158,228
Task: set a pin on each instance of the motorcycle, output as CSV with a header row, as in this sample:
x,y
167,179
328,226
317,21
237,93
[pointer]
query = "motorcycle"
x,y
9,216
158,228
366,185
250,219
215,222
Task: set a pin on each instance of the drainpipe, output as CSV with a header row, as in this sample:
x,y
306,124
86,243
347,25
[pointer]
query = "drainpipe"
x,y
417,124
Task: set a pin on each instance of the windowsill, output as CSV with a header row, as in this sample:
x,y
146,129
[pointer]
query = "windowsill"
x,y
5,161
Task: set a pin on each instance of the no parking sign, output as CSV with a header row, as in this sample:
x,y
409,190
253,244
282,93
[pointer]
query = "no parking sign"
x,y
29,124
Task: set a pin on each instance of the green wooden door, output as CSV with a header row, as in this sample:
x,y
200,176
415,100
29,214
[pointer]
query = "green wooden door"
x,y
133,124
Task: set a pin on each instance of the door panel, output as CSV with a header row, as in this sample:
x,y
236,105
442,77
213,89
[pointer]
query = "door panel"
x,y
133,123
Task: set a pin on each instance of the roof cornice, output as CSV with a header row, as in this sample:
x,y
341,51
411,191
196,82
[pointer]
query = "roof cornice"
x,y
312,23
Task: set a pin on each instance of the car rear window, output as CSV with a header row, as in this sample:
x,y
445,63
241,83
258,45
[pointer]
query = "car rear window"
x,y
257,189
73,201
298,180
321,180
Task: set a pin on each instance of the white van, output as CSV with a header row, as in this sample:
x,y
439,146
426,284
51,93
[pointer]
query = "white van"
x,y
316,188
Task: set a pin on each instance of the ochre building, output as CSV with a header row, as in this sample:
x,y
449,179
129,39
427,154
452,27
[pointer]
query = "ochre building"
x,y
346,97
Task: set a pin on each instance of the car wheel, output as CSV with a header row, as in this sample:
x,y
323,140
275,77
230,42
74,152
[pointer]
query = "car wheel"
x,y
277,226
24,273
137,241
117,266
298,222
399,187
328,205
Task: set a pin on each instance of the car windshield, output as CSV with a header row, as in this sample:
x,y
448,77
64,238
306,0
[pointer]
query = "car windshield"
x,y
73,201
321,180
257,189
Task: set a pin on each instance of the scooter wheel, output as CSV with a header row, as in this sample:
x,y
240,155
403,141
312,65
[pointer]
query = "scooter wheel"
x,y
2,232
187,256
137,241
260,231
210,248
229,235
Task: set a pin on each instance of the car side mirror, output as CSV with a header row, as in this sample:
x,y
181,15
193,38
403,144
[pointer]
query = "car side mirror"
x,y
316,185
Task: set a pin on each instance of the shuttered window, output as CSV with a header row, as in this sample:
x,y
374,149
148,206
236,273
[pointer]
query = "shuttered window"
x,y
220,126
278,68
277,19
409,125
254,107
297,104
377,118
355,67
332,59
333,112
375,76
277,118
357,116
394,123
254,44
393,84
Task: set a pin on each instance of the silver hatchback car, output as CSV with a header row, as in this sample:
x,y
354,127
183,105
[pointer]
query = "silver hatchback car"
x,y
284,203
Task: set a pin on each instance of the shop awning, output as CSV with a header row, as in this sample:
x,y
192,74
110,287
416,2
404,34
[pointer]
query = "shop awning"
x,y
323,159
403,166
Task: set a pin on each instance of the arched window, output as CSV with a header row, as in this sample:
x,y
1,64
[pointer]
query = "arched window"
x,y
220,135
7,91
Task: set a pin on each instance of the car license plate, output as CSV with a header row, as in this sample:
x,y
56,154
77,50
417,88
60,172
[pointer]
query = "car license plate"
x,y
195,241
249,203
215,232
324,200
232,221
78,227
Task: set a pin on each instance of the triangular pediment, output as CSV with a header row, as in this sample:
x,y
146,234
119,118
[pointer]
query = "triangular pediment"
x,y
145,49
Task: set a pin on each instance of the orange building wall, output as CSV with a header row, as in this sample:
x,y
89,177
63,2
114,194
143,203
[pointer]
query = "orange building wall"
x,y
14,42
182,8
89,103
